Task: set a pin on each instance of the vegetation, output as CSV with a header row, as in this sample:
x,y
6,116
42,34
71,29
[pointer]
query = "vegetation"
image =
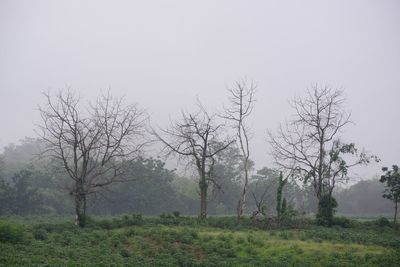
x,y
154,189
280,204
326,209
96,158
168,240
392,180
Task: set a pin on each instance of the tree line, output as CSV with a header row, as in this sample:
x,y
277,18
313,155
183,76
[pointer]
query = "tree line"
x,y
98,148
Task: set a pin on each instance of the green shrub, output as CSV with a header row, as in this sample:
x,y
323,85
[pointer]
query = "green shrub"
x,y
11,233
382,222
66,239
168,219
326,209
40,234
105,224
136,219
343,222
124,253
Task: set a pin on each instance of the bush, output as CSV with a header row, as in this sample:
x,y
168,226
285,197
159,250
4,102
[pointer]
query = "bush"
x,y
105,224
136,219
40,234
343,222
126,220
11,232
168,219
56,227
125,253
382,222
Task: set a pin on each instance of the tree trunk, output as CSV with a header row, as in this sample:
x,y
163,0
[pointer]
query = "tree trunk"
x,y
80,208
203,199
326,206
395,212
242,200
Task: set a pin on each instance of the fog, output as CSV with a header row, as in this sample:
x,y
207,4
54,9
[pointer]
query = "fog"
x,y
164,54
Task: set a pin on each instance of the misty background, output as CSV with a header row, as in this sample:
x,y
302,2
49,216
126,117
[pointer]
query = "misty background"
x,y
164,54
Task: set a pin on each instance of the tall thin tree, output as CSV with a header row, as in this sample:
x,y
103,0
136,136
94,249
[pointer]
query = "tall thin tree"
x,y
241,106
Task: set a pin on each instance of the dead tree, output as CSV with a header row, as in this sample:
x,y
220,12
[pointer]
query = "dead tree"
x,y
91,143
309,146
260,204
241,106
196,138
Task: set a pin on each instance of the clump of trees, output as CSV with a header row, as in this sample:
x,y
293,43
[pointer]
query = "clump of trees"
x,y
94,150
18,196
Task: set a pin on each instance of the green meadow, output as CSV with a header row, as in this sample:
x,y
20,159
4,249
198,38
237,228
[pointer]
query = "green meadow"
x,y
131,240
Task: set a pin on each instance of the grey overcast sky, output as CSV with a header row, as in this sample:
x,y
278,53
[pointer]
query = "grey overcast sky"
x,y
162,54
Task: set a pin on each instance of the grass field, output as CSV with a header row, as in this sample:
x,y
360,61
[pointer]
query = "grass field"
x,y
166,241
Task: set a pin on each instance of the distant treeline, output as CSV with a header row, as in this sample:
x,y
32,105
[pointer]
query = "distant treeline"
x,y
30,184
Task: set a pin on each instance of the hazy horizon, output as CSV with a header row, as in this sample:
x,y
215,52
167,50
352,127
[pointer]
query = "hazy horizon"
x,y
163,55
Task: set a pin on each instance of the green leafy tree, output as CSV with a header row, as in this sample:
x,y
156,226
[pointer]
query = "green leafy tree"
x,y
17,196
149,191
280,208
391,179
228,173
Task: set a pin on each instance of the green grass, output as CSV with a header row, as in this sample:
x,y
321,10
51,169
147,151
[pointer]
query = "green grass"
x,y
187,242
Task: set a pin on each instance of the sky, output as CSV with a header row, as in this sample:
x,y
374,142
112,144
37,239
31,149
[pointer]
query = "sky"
x,y
164,54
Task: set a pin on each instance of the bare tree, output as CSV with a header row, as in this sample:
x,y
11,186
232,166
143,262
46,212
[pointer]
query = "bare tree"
x,y
309,146
260,203
197,139
91,143
241,106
